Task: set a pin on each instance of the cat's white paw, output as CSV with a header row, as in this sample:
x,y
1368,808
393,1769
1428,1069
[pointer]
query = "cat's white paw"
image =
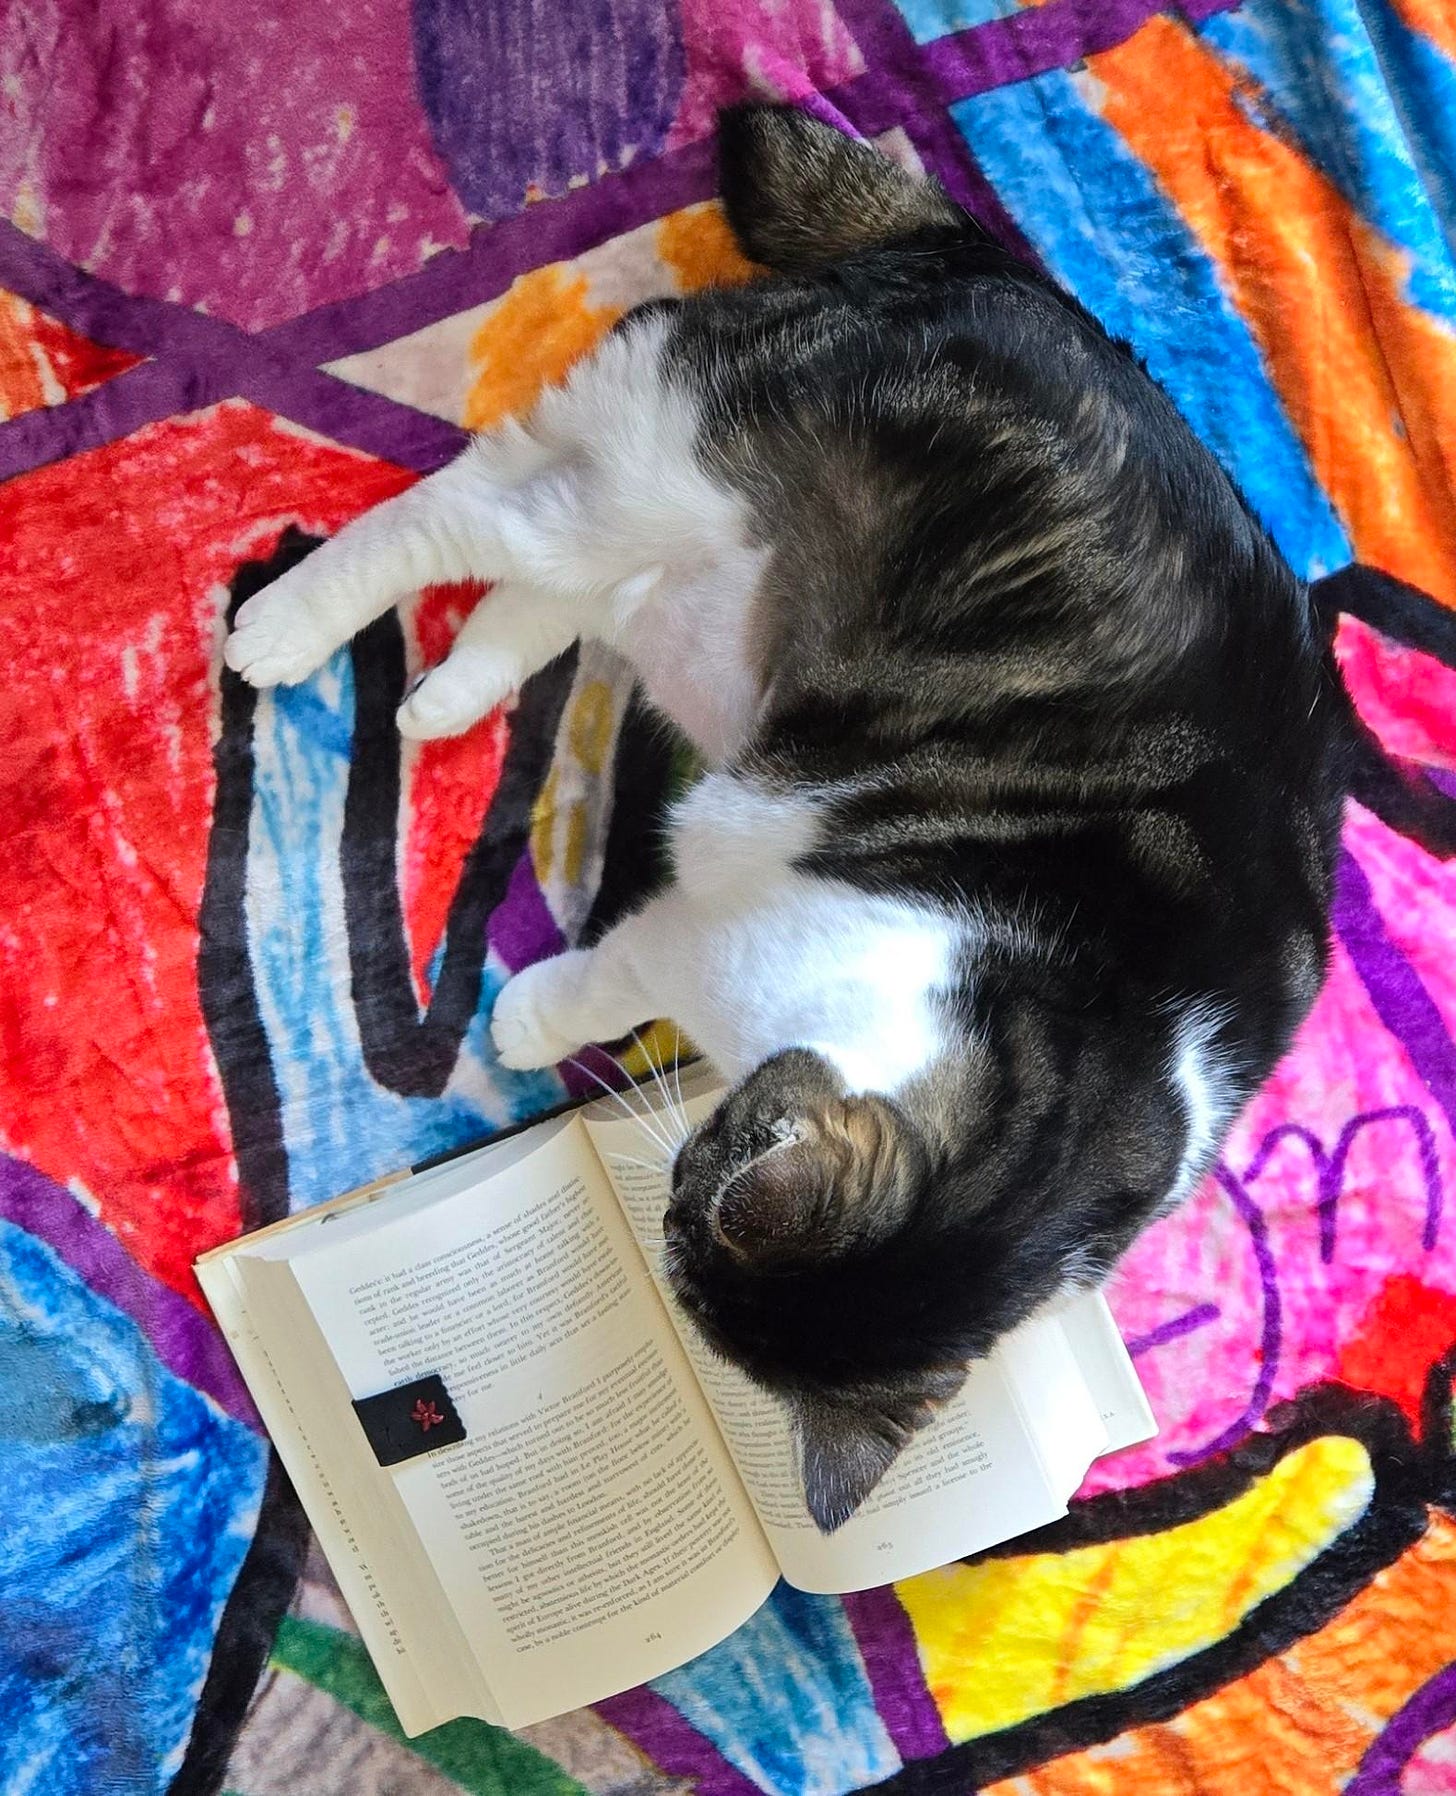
x,y
527,1022
276,639
449,699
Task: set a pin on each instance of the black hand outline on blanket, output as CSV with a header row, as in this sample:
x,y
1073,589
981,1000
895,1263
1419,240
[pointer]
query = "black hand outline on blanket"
x,y
397,1042
404,1051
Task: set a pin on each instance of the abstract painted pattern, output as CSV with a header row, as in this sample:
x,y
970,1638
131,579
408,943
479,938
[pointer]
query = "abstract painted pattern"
x,y
265,266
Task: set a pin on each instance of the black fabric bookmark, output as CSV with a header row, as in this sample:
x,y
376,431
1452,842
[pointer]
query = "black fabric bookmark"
x,y
412,1419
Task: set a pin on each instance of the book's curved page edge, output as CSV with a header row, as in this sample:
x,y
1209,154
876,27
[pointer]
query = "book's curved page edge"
x,y
384,1576
1102,1355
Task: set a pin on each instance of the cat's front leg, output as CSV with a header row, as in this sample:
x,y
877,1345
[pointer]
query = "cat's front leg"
x,y
550,1010
588,994
436,532
508,510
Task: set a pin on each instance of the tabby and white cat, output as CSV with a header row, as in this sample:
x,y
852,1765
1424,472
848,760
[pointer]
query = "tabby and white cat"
x,y
1008,883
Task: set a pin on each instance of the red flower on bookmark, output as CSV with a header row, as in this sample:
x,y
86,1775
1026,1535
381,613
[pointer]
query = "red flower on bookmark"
x,y
412,1419
426,1415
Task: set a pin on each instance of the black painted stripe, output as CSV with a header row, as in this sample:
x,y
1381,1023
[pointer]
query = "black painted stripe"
x,y
404,1051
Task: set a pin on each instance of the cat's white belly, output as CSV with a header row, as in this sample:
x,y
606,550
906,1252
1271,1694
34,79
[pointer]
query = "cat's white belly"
x,y
750,955
690,643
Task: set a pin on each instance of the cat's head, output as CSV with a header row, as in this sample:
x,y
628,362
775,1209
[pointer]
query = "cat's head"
x,y
821,1243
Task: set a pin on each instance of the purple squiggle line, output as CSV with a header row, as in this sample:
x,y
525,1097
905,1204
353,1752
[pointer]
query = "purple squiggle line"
x,y
1276,1138
1395,989
1174,1330
1408,1011
1332,1178
1330,1167
1423,1714
1330,1171
1271,1333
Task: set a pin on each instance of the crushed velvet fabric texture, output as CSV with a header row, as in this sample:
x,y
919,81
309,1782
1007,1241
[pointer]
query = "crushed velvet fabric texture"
x,y
262,269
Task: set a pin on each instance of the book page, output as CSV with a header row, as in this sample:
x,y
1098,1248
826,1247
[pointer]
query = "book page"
x,y
998,1460
590,1530
1106,1364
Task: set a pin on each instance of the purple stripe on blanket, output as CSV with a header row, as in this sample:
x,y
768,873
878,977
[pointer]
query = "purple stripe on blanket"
x,y
182,1338
673,1745
891,1657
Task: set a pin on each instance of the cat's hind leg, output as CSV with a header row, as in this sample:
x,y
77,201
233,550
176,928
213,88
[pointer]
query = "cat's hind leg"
x,y
437,532
496,510
512,633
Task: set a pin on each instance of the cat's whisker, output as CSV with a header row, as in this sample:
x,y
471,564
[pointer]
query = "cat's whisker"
x,y
632,1115
652,1066
673,1102
610,1091
661,1126
672,1116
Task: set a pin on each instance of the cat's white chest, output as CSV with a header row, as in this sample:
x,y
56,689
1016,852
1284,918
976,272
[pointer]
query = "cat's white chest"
x,y
761,956
850,977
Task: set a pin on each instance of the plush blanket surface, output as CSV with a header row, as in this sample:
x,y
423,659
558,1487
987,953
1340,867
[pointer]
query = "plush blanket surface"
x,y
264,265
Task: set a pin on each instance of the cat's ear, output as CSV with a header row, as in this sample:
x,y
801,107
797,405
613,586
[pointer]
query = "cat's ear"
x,y
843,1174
778,1206
847,1444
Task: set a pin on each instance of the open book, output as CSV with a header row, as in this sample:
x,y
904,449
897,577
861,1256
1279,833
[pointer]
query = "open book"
x,y
614,1499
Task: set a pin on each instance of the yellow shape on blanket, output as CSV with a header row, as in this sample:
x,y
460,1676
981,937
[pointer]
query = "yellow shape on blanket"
x,y
528,341
547,319
662,1044
1010,1638
593,717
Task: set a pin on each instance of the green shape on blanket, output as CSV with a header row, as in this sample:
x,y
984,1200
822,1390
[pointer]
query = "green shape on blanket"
x,y
485,1760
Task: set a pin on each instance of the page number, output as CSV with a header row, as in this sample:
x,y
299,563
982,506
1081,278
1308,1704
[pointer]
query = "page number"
x,y
647,1639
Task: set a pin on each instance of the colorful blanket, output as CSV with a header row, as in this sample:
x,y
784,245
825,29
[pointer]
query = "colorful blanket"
x,y
265,265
